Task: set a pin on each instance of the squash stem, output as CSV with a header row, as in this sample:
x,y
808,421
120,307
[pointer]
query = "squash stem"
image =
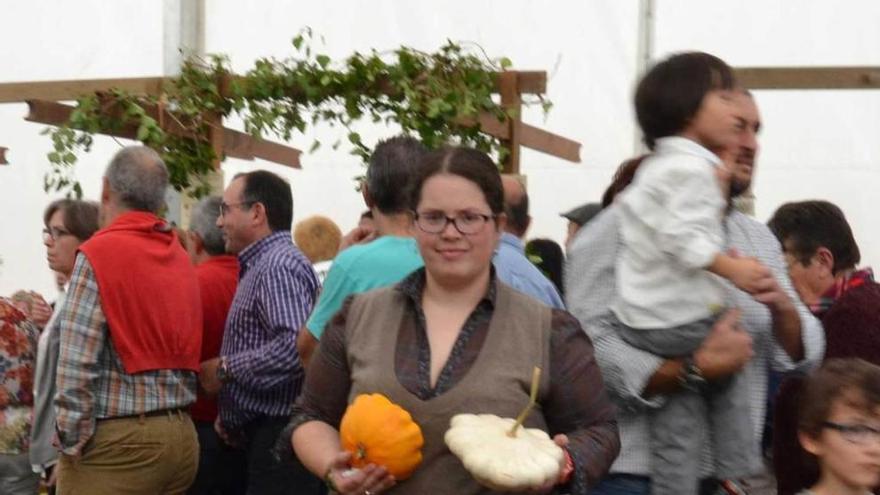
x,y
533,399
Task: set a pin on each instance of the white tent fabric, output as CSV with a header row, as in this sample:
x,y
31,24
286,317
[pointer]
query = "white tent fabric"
x,y
816,144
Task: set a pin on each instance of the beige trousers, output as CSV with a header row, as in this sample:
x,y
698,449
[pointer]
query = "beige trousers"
x,y
134,456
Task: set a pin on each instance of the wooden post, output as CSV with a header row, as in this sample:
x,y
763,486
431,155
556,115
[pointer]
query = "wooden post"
x,y
512,102
3,156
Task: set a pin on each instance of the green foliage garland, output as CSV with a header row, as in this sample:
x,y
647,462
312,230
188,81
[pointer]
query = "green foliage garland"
x,y
435,96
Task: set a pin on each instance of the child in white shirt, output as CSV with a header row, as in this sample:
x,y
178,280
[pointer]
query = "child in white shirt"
x,y
673,255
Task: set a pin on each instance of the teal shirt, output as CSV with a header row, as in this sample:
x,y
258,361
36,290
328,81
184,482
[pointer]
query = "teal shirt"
x,y
380,263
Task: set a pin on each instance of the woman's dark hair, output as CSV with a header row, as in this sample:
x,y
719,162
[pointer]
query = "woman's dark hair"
x,y
80,218
671,93
466,163
624,175
273,193
547,255
803,227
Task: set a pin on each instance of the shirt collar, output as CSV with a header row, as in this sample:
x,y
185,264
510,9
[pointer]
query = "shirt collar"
x,y
852,280
413,285
678,144
513,241
256,249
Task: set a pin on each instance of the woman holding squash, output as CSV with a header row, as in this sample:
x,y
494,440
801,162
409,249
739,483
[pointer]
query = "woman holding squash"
x,y
450,339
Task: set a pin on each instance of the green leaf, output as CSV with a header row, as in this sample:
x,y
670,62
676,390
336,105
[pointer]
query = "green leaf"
x,y
143,133
505,63
323,60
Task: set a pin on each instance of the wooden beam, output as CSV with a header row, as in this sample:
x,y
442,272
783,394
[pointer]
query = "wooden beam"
x,y
235,144
552,144
512,103
244,146
533,82
809,77
71,90
3,156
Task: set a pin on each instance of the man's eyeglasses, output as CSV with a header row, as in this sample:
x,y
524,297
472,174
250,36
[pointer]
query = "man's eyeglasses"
x,y
467,223
855,433
224,208
53,233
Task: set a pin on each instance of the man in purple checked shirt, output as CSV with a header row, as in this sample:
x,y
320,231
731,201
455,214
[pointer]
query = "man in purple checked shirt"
x,y
258,373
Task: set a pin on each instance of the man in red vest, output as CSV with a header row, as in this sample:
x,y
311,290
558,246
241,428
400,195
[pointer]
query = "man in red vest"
x,y
130,332
222,468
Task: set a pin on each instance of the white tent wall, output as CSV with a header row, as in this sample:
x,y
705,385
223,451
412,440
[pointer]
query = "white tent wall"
x,y
86,39
587,48
815,144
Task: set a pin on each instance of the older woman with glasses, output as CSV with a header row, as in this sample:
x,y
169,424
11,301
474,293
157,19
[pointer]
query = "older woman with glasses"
x,y
67,224
449,339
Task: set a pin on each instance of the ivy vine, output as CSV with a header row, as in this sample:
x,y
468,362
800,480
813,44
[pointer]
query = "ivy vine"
x,y
436,96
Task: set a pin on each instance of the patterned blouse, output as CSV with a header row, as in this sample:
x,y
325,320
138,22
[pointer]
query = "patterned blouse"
x,y
18,344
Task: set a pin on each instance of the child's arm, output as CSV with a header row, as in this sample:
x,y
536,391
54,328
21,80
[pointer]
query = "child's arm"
x,y
745,273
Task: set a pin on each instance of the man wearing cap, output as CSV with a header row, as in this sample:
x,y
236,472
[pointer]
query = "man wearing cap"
x,y
578,217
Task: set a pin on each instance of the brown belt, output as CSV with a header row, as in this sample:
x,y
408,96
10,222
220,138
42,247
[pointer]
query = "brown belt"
x,y
178,411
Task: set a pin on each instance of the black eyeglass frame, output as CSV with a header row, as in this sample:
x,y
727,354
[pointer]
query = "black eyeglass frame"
x,y
224,208
54,233
855,433
455,222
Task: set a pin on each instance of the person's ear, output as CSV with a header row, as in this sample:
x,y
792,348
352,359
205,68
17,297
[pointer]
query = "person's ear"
x,y
809,443
365,193
258,214
825,258
501,221
105,191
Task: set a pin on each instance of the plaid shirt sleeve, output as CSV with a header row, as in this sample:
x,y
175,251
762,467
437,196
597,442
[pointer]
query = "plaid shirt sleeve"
x,y
286,296
82,335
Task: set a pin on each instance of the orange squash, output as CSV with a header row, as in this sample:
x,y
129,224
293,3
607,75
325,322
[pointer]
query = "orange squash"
x,y
377,431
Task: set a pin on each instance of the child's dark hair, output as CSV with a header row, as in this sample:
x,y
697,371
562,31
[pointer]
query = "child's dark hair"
x,y
670,94
851,381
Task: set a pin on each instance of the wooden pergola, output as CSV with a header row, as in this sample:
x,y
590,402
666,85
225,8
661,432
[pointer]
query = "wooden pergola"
x,y
43,97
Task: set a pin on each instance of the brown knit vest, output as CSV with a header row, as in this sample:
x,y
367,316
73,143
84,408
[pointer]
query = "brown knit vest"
x,y
497,383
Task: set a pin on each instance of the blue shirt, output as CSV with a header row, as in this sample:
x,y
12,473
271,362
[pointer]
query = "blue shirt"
x,y
515,270
276,291
380,263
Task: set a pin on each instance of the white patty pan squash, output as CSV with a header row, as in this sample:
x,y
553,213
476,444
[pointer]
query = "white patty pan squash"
x,y
497,460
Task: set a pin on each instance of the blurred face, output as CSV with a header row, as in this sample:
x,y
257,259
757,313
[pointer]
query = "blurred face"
x,y
810,280
849,453
715,125
749,124
236,219
60,244
452,257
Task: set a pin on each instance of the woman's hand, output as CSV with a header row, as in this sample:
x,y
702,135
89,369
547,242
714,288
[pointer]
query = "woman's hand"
x,y
367,481
562,442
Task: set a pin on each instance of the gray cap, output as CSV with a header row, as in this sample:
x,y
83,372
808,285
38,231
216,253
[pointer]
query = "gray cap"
x,y
583,213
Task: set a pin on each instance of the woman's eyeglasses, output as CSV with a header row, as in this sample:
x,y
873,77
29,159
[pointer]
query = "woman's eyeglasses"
x,y
53,233
467,223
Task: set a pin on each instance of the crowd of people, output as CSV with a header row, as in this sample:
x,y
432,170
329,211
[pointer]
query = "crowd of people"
x,y
687,348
